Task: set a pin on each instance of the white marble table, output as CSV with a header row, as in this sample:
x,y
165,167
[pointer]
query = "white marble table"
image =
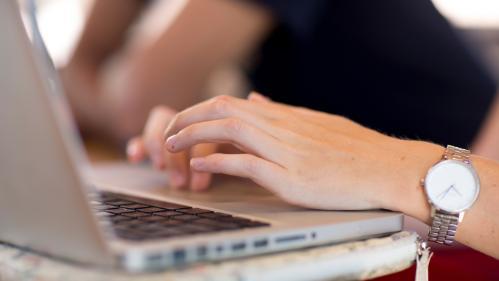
x,y
354,260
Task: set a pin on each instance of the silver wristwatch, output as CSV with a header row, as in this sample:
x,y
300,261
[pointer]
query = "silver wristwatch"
x,y
452,186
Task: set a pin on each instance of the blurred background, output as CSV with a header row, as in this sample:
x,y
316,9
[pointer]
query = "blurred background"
x,y
61,22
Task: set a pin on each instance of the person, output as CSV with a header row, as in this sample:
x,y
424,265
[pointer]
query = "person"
x,y
397,67
324,161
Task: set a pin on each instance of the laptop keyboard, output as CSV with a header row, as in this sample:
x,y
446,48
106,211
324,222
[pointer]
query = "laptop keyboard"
x,y
140,219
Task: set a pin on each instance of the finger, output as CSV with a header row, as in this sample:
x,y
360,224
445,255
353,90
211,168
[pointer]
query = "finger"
x,y
234,131
156,123
262,172
200,180
219,108
257,97
178,168
136,151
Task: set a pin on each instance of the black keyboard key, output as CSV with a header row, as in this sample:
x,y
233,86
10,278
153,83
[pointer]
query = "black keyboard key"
x,y
141,219
118,211
117,202
133,206
136,214
168,213
151,210
194,211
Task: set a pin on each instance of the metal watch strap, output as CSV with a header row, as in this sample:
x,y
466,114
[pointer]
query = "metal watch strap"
x,y
456,153
444,225
443,228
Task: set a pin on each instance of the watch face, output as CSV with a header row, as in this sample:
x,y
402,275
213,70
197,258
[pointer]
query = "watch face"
x,y
452,186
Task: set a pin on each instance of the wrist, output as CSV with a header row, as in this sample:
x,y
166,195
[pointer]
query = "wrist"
x,y
410,197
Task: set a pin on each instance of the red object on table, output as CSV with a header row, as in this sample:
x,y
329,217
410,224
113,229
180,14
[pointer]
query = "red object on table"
x,y
459,264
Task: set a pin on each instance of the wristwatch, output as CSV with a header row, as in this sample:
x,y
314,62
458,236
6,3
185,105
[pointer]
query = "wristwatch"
x,y
451,186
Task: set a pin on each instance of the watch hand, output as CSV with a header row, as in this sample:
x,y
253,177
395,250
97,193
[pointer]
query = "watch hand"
x,y
444,193
455,189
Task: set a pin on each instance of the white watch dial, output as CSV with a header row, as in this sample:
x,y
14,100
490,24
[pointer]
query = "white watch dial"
x,y
452,185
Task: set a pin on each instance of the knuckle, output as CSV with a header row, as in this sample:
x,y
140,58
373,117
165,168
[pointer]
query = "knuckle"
x,y
221,104
251,165
233,126
176,118
174,122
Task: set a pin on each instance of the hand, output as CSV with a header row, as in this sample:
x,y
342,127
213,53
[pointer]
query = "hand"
x,y
308,158
150,144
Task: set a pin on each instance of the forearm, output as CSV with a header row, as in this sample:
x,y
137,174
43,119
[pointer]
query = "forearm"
x,y
173,71
480,226
105,30
486,142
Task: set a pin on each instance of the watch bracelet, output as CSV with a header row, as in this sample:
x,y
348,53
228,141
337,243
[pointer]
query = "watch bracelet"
x,y
456,153
444,225
443,228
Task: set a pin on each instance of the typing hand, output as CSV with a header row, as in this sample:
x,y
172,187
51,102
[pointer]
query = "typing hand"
x,y
308,158
150,144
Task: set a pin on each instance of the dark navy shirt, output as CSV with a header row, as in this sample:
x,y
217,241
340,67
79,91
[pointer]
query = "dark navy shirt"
x,y
392,65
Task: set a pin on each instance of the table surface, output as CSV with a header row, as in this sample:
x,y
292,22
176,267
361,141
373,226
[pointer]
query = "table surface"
x,y
354,260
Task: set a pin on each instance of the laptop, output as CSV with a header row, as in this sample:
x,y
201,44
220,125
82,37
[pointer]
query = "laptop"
x,y
125,216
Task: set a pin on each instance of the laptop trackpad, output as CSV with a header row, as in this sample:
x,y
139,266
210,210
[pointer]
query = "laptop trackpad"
x,y
231,193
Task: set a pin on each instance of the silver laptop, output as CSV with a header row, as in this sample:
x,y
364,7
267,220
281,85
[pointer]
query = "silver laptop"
x,y
132,220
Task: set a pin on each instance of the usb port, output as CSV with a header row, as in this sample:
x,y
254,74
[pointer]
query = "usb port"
x,y
179,256
261,243
238,246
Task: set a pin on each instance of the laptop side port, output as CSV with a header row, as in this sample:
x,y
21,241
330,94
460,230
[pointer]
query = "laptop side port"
x,y
202,251
179,256
290,238
240,246
261,243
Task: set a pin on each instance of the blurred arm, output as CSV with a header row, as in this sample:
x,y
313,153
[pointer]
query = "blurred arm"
x,y
487,141
173,70
105,30
103,34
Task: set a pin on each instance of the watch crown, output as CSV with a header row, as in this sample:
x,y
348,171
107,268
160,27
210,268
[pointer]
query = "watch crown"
x,y
421,182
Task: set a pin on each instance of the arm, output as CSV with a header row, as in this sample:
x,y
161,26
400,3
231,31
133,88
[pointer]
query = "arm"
x,y
488,137
324,161
103,35
172,70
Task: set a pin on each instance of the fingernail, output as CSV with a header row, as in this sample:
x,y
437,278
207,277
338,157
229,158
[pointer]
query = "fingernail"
x,y
176,179
170,142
